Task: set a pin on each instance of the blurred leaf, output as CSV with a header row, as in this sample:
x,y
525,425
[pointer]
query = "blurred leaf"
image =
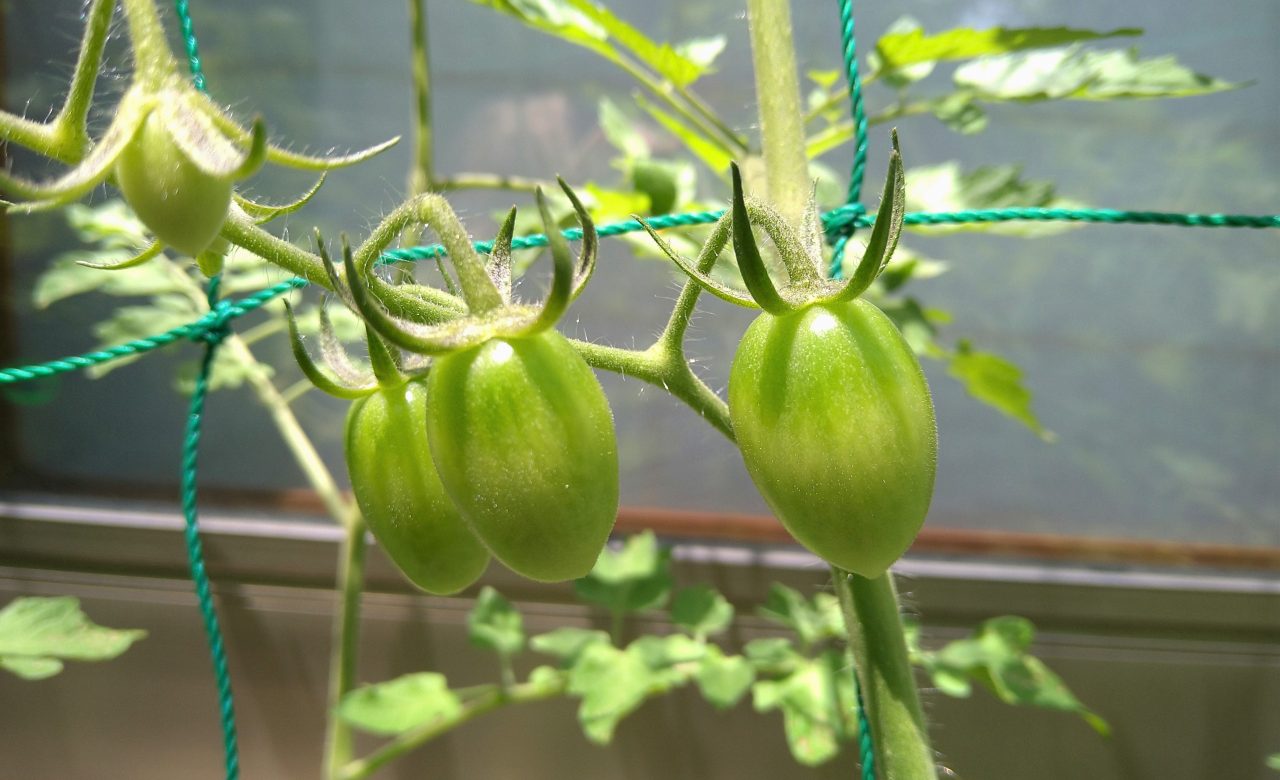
x,y
227,373
946,187
658,184
914,324
710,153
129,323
906,264
567,643
612,683
997,382
701,610
826,79
899,73
65,278
396,706
901,47
672,64
814,714
961,112
659,652
703,52
494,624
771,655
1074,73
812,622
723,680
1273,761
36,632
635,578
111,224
608,205
621,131
996,656
347,325
557,18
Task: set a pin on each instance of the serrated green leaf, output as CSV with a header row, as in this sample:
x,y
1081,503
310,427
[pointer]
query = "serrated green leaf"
x,y
1075,73
723,680
35,632
621,131
947,187
494,624
396,706
635,578
996,382
701,610
710,153
612,684
567,643
902,47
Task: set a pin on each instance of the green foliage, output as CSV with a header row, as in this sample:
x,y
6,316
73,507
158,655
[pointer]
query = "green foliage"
x,y
567,643
708,153
996,382
899,48
723,679
1076,73
812,620
496,625
399,705
996,657
947,187
818,706
701,611
38,633
635,578
1273,761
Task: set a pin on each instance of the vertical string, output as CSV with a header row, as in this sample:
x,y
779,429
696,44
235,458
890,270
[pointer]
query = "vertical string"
x,y
866,743
190,453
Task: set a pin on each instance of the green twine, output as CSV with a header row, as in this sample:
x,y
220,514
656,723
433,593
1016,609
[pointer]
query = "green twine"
x,y
212,333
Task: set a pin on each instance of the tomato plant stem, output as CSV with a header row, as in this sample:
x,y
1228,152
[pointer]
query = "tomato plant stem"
x,y
781,119
898,733
422,175
153,61
343,649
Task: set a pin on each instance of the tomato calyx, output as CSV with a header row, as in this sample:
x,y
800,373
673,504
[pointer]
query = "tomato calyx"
x,y
803,260
485,286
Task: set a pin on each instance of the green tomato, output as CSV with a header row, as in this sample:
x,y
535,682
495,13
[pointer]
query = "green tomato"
x,y
400,495
523,437
184,206
836,426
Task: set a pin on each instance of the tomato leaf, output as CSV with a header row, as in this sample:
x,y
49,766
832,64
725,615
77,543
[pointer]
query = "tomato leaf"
x,y
1075,73
568,642
902,47
996,382
660,652
701,610
612,683
1273,761
812,621
711,153
814,712
37,633
635,578
494,624
396,706
996,656
947,187
723,680
672,63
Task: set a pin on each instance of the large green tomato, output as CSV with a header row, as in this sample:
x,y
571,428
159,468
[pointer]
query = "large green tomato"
x,y
524,440
399,492
836,426
184,206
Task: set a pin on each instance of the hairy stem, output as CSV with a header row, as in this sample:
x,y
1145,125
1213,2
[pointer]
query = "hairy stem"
x,y
491,181
154,63
421,177
898,732
345,643
781,120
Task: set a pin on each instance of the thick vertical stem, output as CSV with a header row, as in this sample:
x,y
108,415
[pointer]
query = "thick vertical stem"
x,y
153,61
893,712
422,176
781,118
342,652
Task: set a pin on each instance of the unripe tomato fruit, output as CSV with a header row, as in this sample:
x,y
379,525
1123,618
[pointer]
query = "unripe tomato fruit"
x,y
836,426
523,437
399,492
184,206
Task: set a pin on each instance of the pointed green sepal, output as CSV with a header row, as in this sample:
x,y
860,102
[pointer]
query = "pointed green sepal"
x,y
312,371
590,242
265,212
500,256
754,272
885,233
721,291
557,299
151,252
